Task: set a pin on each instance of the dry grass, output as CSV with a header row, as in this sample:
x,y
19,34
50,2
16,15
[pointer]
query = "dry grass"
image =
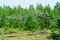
x,y
24,36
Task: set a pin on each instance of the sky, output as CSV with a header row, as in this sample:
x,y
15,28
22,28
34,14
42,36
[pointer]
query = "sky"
x,y
27,3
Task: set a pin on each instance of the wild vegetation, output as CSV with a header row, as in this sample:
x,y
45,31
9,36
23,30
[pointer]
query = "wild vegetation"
x,y
31,19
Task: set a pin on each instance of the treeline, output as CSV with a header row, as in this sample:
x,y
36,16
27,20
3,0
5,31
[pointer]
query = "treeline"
x,y
8,17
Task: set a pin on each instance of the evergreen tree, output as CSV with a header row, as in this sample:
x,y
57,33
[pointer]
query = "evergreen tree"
x,y
47,9
40,8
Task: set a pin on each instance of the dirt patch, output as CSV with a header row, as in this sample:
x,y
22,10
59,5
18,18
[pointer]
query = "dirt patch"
x,y
11,36
30,34
42,32
6,32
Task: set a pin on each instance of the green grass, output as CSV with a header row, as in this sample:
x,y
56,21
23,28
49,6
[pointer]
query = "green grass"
x,y
2,36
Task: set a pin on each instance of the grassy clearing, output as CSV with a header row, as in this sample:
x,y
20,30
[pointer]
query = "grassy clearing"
x,y
24,36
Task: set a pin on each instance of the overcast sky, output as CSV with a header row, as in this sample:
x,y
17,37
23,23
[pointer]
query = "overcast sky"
x,y
26,3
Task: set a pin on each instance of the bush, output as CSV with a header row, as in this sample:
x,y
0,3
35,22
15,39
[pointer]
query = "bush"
x,y
55,35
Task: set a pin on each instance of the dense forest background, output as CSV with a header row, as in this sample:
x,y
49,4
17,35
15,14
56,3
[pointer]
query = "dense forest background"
x,y
8,17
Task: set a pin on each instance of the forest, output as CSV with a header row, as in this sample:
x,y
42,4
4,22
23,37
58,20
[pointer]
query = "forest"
x,y
31,19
